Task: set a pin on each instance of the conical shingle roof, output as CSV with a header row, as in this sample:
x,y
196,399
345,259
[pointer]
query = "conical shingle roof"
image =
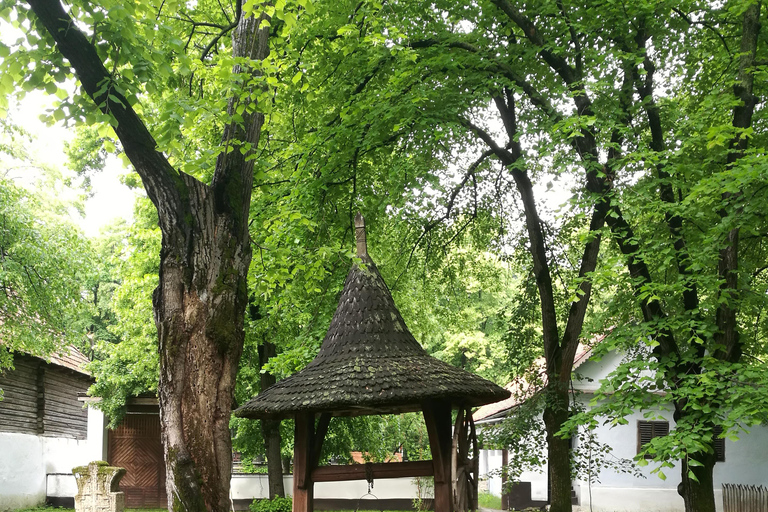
x,y
369,363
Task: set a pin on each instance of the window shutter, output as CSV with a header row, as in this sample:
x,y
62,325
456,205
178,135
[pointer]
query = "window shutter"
x,y
660,428
719,444
647,430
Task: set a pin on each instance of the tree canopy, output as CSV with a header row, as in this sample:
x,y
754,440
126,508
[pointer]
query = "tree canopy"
x,y
458,129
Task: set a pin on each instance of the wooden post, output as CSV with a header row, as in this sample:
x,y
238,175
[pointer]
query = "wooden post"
x,y
303,488
437,417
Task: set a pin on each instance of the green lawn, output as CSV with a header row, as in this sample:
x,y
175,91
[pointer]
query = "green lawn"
x,y
60,509
487,500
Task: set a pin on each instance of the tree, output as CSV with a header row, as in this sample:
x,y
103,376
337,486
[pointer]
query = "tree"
x,y
692,240
430,77
44,267
202,292
574,91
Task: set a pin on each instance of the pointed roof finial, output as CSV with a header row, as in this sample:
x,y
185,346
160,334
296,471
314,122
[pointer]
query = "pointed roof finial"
x,y
362,248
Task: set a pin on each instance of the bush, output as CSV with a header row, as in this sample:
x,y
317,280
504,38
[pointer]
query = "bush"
x,y
275,505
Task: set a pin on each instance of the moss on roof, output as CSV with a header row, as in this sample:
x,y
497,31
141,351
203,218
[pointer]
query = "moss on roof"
x,y
369,363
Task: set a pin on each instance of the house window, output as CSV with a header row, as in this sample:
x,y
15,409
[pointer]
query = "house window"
x,y
719,443
647,430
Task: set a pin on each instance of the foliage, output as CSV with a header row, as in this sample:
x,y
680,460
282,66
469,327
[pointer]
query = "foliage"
x,y
523,435
425,489
126,361
273,505
442,122
694,246
44,265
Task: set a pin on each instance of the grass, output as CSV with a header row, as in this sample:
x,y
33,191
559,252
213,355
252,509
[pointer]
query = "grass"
x,y
487,500
61,509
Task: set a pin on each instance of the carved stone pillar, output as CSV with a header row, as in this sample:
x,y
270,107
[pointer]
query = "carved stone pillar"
x,y
97,488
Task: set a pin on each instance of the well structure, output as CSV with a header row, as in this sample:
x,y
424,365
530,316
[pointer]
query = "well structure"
x,y
370,364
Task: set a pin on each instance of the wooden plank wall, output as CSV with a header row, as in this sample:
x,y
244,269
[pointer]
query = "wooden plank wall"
x,y
41,398
18,408
64,415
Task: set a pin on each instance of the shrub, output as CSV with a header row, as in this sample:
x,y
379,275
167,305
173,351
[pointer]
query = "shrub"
x,y
275,505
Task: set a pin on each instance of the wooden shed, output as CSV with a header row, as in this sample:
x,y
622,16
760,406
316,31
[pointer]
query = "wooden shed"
x,y
40,395
370,364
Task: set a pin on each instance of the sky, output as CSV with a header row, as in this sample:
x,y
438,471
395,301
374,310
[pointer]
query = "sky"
x,y
111,199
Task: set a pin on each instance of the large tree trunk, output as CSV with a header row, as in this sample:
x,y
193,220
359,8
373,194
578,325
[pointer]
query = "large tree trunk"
x,y
698,494
270,429
558,449
199,311
200,302
200,306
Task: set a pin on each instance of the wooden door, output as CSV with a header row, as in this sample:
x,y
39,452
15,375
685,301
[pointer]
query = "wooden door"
x,y
136,446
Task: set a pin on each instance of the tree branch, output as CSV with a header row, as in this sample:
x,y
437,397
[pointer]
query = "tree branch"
x,y
728,334
161,181
224,30
645,88
541,271
233,177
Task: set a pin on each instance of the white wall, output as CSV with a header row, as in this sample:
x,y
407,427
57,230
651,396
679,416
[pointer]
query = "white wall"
x,y
746,462
256,486
490,463
33,467
382,488
250,486
22,471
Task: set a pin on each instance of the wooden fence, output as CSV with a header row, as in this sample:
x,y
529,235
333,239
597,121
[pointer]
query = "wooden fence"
x,y
745,498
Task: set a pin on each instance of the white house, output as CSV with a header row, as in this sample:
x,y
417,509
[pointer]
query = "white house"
x,y
44,429
743,462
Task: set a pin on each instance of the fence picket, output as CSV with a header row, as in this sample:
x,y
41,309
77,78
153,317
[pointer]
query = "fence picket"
x,y
745,498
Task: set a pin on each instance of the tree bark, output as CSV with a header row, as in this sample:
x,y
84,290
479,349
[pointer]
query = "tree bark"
x,y
698,493
558,449
270,429
199,311
200,302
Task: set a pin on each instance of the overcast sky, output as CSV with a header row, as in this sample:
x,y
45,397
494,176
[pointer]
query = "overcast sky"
x,y
111,198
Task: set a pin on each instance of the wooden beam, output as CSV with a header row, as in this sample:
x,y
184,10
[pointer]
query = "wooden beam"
x,y
303,490
380,470
437,417
41,399
322,429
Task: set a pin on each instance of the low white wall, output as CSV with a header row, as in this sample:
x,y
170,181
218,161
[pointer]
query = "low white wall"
x,y
61,485
245,486
33,467
389,488
251,486
22,471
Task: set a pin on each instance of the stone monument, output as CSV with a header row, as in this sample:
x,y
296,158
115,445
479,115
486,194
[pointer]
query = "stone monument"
x,y
97,488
